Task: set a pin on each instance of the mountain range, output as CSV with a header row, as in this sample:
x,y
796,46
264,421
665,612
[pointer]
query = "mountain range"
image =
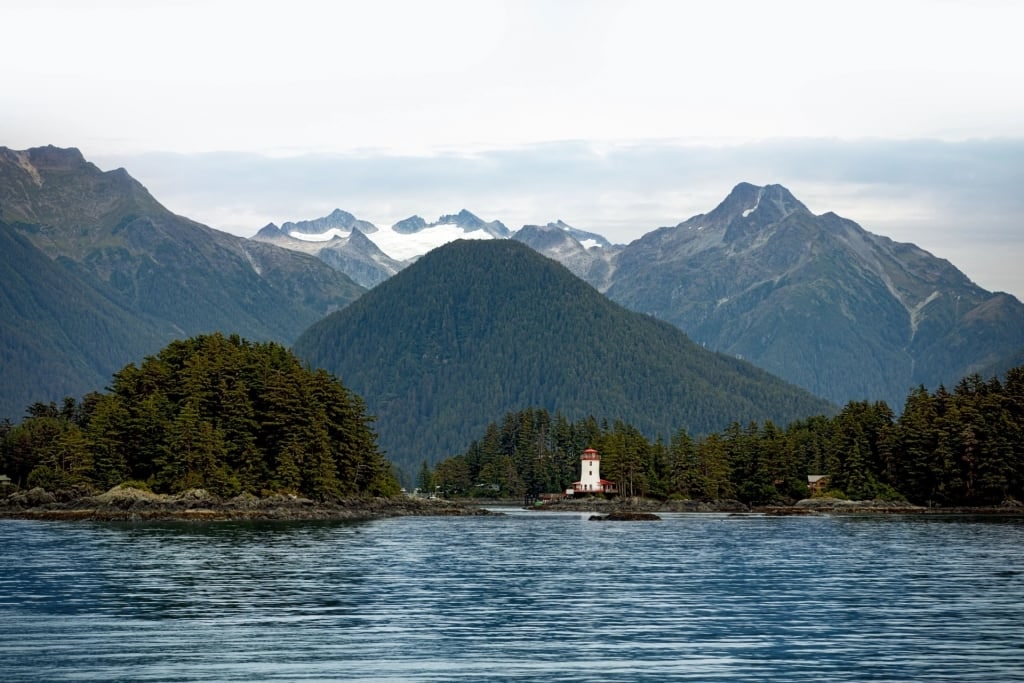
x,y
97,274
815,299
370,254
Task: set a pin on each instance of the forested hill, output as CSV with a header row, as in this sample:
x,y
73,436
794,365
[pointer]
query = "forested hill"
x,y
213,412
475,329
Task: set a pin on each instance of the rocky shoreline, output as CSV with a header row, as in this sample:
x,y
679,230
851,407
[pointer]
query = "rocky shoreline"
x,y
610,505
808,506
838,506
126,504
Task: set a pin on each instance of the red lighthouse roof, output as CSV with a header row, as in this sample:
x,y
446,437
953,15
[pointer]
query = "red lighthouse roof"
x,y
590,454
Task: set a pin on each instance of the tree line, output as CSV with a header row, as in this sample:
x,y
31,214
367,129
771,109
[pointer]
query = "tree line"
x,y
214,412
963,447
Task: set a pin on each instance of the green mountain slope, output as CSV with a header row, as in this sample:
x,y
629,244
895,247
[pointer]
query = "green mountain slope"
x,y
476,329
58,331
169,276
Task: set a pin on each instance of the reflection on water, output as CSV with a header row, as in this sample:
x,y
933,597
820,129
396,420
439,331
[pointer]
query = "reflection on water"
x,y
527,596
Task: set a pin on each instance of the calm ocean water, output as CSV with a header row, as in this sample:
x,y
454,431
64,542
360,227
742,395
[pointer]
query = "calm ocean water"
x,y
524,597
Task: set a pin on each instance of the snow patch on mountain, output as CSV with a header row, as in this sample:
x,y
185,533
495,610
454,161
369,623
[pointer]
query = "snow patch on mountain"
x,y
405,246
917,312
252,262
401,246
757,203
320,237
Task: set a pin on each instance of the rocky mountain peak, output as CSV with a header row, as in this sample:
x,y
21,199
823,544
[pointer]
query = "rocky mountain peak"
x,y
269,231
359,239
464,219
469,222
759,205
410,225
337,219
780,201
38,185
52,158
545,238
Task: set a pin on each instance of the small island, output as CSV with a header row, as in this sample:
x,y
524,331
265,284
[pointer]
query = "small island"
x,y
210,428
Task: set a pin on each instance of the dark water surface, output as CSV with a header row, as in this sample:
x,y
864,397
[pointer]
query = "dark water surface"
x,y
527,597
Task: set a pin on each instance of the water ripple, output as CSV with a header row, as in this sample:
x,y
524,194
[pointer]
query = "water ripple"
x,y
523,597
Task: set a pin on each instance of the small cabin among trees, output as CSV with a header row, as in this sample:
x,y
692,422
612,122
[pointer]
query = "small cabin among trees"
x,y
817,484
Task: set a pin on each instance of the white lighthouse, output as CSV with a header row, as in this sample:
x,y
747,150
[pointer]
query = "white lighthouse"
x,y
590,477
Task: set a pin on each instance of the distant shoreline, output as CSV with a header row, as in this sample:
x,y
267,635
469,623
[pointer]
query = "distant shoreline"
x,y
124,504
808,507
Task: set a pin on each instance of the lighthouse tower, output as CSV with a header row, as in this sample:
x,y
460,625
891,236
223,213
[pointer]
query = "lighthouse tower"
x,y
590,471
590,476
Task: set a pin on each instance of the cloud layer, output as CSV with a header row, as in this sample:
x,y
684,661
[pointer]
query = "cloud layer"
x,y
904,116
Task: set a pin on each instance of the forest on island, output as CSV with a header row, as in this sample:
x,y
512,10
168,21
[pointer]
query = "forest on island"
x,y
959,448
213,412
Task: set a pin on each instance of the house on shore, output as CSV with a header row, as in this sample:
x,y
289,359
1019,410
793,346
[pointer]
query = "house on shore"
x,y
817,484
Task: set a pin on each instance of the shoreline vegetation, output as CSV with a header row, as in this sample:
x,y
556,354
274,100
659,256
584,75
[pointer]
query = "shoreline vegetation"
x,y
128,504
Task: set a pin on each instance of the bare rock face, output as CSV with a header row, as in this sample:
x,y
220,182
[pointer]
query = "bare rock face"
x,y
124,498
31,498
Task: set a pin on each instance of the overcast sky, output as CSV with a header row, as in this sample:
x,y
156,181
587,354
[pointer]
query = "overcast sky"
x,y
618,117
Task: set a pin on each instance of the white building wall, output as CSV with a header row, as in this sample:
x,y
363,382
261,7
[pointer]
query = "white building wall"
x,y
590,477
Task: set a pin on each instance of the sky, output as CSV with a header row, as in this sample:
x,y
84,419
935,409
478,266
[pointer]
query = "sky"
x,y
615,116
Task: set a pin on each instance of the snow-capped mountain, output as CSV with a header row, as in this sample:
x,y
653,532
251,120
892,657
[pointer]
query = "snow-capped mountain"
x,y
348,250
370,253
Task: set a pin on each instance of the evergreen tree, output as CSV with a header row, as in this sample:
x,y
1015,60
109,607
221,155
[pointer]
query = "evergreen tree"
x,y
425,481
